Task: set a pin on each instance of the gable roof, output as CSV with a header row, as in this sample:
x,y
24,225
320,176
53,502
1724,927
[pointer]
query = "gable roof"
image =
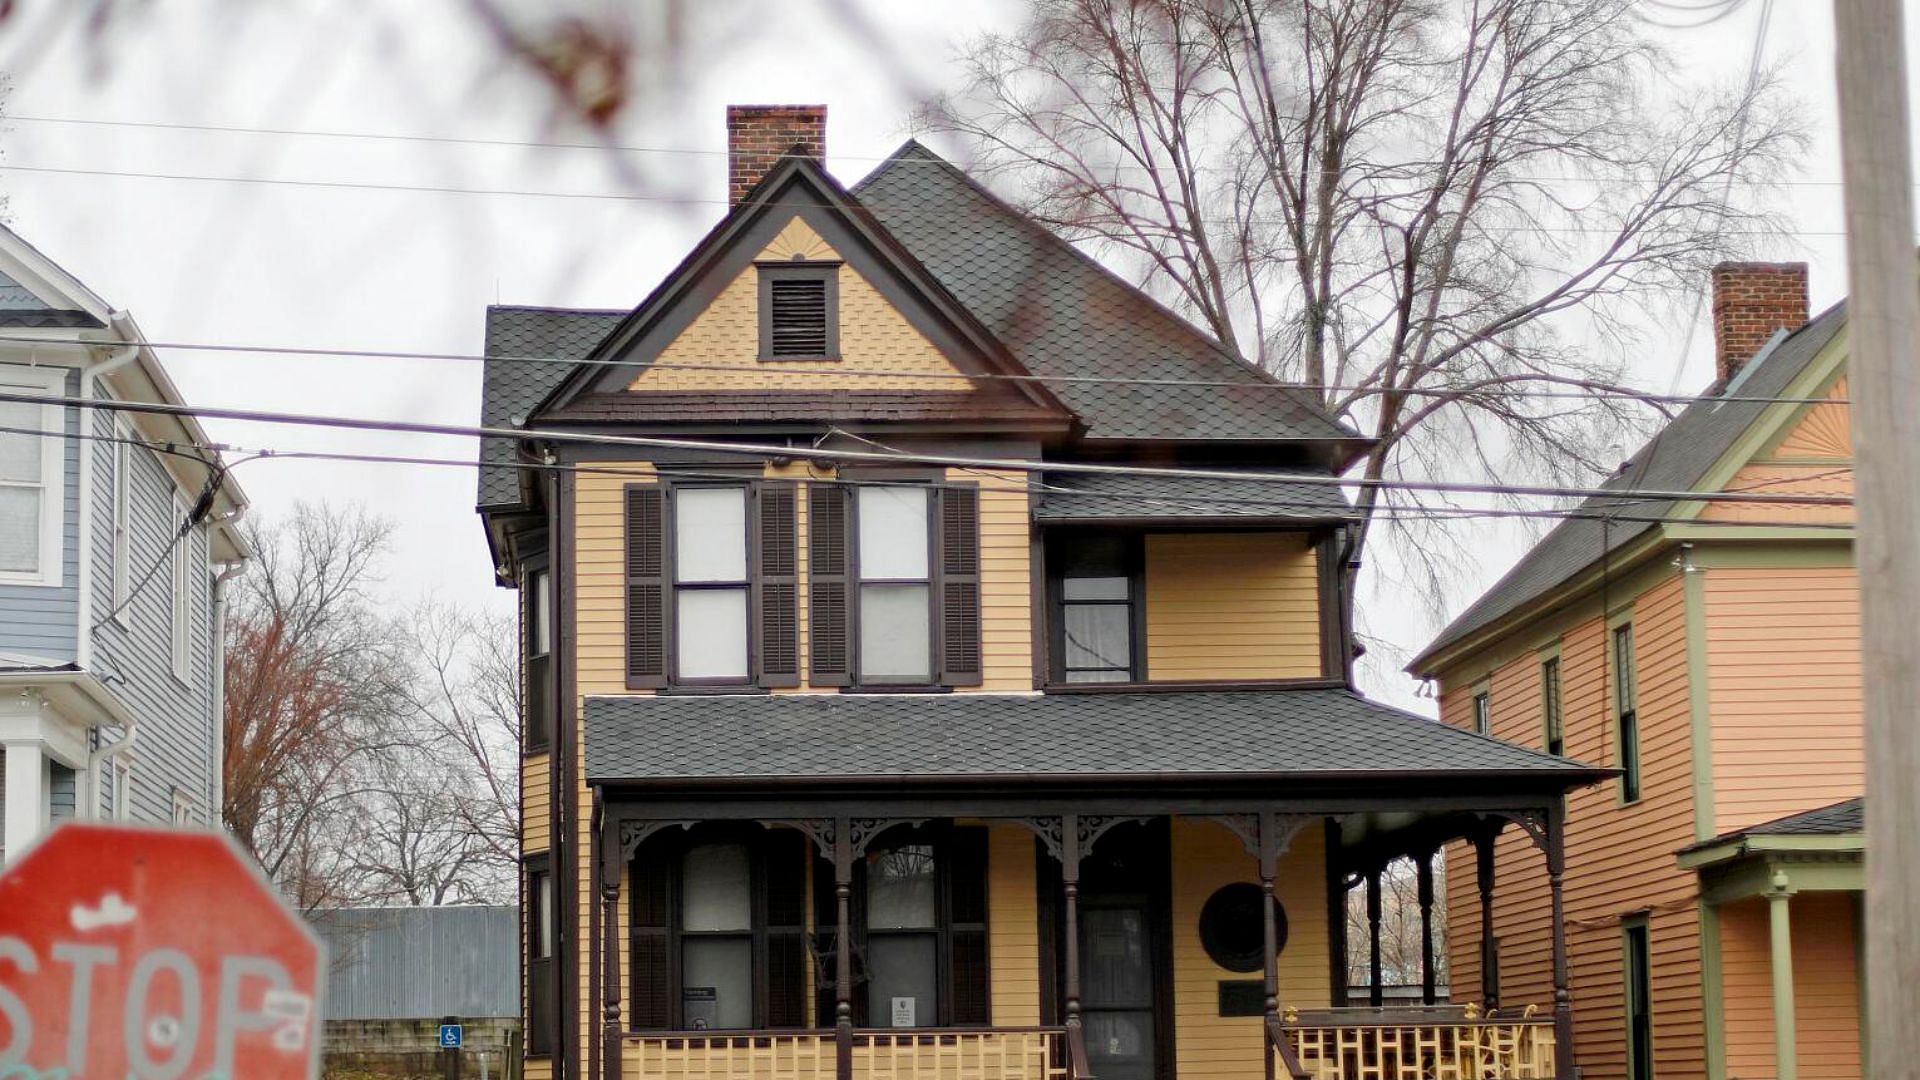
x,y
800,184
1063,314
1042,306
1310,732
1677,458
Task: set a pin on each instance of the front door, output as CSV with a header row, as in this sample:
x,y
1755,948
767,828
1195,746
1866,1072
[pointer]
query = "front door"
x,y
1124,953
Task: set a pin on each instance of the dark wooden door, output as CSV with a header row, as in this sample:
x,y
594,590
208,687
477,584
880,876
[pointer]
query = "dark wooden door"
x,y
1126,961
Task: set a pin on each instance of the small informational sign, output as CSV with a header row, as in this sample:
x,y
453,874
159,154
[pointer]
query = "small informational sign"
x,y
1243,997
700,1005
141,952
903,1012
452,1036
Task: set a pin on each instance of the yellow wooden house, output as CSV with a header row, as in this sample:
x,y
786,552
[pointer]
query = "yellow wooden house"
x,y
937,668
1709,650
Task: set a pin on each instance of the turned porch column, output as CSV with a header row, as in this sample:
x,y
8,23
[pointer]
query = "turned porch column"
x,y
1376,994
1070,888
1556,828
843,948
1489,946
1429,986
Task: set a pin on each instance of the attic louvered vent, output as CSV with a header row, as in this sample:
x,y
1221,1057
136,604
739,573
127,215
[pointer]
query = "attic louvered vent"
x,y
797,313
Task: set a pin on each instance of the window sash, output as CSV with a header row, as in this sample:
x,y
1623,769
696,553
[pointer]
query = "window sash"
x,y
1099,563
893,558
1483,713
39,560
1550,694
723,575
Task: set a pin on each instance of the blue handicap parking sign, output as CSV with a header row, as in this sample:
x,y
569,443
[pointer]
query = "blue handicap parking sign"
x,y
451,1036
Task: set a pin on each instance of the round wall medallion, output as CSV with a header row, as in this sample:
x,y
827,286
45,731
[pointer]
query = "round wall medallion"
x,y
1230,928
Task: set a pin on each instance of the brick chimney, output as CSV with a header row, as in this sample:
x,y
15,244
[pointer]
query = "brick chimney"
x,y
759,136
1751,300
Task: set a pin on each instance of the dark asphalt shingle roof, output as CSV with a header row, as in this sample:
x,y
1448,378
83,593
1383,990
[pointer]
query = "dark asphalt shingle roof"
x,y
1841,819
1676,459
511,388
1096,497
831,736
1062,314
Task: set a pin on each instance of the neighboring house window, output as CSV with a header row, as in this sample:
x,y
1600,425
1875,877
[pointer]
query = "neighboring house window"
x,y
540,928
1639,995
894,565
122,788
719,930
1483,713
181,612
122,525
924,934
799,312
1628,715
1550,704
539,622
185,814
710,584
31,502
1096,600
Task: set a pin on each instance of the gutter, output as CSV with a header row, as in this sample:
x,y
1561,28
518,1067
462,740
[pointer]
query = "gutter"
x,y
216,810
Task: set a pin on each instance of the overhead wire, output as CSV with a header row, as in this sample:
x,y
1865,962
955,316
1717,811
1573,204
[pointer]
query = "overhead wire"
x,y
823,454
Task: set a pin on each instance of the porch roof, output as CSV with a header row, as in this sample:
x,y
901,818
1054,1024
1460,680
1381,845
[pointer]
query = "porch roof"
x,y
1326,732
1100,497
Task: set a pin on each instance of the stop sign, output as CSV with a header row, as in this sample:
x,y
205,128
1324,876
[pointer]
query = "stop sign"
x,y
148,954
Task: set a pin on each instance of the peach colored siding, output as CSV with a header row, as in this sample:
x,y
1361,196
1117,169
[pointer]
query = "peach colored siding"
x,y
1232,606
1826,987
1619,858
874,336
1784,686
1815,457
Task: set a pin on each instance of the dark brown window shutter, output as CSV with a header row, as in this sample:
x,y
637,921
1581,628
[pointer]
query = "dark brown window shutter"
x,y
970,992
646,586
651,984
786,891
829,583
779,585
960,586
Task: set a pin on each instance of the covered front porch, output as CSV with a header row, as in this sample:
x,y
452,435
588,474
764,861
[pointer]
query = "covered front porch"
x,y
1127,925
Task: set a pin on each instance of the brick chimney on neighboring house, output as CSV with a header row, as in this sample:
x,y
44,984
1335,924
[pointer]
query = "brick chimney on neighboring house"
x,y
758,136
1752,300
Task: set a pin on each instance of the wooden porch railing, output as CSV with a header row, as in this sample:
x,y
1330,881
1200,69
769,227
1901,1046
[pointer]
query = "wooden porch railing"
x,y
1035,1053
1411,1044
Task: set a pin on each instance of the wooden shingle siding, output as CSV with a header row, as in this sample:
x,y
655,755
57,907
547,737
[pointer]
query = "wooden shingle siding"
x,y
1784,682
874,336
1826,982
1610,874
1231,606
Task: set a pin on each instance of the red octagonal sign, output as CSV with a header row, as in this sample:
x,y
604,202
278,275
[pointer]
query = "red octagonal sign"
x,y
147,954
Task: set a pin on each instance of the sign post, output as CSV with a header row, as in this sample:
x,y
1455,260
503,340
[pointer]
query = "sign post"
x,y
140,952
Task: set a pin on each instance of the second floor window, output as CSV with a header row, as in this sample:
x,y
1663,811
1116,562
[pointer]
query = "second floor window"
x,y
30,487
181,613
1627,712
122,522
1550,705
1096,597
539,623
1483,713
894,564
710,584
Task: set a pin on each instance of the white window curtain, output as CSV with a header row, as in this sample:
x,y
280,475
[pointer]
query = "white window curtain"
x,y
710,583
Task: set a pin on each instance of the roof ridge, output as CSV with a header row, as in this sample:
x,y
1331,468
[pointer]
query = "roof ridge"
x,y
558,310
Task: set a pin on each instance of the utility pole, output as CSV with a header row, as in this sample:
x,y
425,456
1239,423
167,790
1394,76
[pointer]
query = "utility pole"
x,y
1883,327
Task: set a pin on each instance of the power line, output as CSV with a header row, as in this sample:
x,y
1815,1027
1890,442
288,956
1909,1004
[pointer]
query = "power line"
x,y
923,210
821,454
1424,513
1578,390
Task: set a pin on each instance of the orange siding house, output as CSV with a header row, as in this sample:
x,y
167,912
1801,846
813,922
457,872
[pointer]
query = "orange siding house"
x,y
878,728
1709,651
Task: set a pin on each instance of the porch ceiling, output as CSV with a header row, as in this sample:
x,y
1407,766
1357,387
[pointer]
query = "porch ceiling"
x,y
1320,733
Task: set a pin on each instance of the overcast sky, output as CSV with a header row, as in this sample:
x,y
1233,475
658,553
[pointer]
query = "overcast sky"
x,y
352,268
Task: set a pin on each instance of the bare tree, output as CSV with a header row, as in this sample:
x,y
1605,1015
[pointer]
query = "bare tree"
x,y
1415,207
1400,927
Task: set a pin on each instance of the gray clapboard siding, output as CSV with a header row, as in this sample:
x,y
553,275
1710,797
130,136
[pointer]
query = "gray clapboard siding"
x,y
174,751
427,962
36,620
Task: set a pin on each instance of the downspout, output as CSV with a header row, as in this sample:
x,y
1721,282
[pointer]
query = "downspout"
x,y
89,375
217,810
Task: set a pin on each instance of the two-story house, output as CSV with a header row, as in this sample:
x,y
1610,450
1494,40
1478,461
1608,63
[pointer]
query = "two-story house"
x,y
937,666
112,544
1709,649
